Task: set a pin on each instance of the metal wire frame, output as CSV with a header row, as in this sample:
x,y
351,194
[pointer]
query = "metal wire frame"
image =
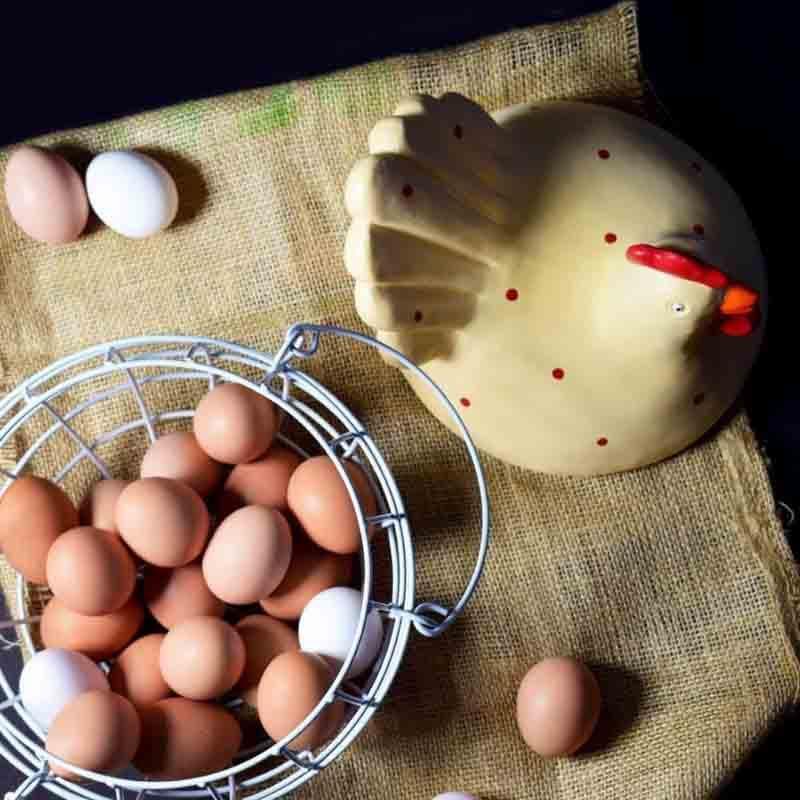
x,y
190,358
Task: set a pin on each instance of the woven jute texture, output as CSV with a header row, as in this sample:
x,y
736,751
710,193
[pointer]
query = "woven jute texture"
x,y
674,582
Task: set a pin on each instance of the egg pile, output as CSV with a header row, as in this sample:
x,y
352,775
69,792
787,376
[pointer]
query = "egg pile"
x,y
223,572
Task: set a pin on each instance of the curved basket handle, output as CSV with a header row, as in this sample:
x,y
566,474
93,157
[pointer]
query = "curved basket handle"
x,y
302,341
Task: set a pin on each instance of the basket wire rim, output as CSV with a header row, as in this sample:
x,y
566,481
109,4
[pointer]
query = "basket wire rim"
x,y
142,362
399,534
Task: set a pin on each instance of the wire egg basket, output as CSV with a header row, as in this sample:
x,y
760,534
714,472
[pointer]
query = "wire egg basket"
x,y
52,405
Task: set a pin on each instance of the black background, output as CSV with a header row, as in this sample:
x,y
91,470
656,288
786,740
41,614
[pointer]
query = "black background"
x,y
726,72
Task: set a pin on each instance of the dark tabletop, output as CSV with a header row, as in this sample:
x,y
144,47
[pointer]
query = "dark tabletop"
x,y
726,73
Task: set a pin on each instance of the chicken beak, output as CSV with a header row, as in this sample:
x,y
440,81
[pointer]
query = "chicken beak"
x,y
738,299
739,310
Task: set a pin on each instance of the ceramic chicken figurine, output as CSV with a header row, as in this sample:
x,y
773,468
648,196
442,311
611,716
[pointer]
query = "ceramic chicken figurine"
x,y
586,286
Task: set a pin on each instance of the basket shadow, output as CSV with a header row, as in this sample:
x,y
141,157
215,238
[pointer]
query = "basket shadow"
x,y
622,693
424,698
438,497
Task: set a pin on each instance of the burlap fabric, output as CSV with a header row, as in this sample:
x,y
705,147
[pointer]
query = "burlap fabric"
x,y
675,581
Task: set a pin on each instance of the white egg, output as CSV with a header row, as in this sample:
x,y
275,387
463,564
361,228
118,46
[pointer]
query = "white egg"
x,y
328,627
54,677
131,193
455,796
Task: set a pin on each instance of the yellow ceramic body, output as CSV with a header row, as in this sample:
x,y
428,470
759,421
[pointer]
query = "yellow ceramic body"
x,y
494,251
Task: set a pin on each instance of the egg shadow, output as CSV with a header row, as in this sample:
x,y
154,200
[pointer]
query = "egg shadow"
x,y
192,187
622,692
77,154
80,157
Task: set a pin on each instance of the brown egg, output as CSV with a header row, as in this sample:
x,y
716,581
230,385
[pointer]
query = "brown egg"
x,y
248,555
99,505
91,571
98,730
33,513
318,498
289,690
45,195
259,483
234,424
311,571
136,673
173,595
558,705
202,658
264,638
163,521
98,638
178,456
186,739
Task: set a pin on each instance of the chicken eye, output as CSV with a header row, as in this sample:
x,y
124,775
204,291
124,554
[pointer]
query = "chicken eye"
x,y
680,309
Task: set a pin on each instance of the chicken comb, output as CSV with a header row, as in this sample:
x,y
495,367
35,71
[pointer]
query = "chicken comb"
x,y
677,264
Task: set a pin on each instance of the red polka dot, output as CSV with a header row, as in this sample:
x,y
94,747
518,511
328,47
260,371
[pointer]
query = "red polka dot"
x,y
465,401
602,441
417,316
698,398
604,154
558,374
697,166
458,132
698,229
512,295
610,238
408,190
